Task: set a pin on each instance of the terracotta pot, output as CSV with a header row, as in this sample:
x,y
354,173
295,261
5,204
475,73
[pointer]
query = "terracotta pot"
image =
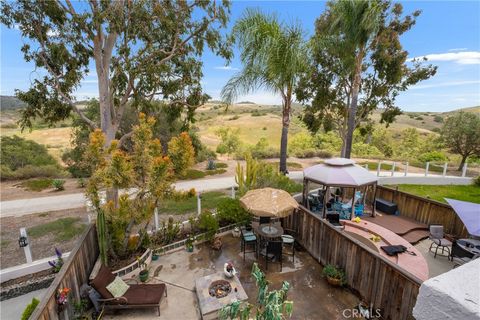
x,y
334,281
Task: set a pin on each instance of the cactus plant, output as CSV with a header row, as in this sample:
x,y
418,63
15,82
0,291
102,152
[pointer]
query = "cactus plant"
x,y
102,236
247,179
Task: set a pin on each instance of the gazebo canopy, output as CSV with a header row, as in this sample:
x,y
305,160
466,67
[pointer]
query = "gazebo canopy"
x,y
339,172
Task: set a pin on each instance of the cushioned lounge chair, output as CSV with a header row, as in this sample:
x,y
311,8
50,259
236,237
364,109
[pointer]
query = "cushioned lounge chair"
x,y
137,295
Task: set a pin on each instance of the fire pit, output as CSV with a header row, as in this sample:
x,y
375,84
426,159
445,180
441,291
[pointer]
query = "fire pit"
x,y
219,289
215,291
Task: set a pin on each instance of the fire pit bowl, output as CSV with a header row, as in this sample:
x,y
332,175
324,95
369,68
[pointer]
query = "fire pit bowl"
x,y
219,289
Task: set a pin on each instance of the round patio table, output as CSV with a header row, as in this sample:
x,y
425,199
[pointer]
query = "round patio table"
x,y
270,231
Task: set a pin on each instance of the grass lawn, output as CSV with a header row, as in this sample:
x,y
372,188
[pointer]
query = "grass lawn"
x,y
210,200
469,193
62,229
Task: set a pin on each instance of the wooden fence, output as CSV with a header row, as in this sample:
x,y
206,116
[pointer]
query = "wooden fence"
x,y
424,210
73,274
378,281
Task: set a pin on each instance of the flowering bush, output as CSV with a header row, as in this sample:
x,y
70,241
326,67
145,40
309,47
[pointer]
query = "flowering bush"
x,y
62,296
57,264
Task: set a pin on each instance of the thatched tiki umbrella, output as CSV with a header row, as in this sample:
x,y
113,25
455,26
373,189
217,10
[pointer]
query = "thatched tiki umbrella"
x,y
268,202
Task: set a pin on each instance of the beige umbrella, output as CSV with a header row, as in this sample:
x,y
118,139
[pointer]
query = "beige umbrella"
x,y
268,202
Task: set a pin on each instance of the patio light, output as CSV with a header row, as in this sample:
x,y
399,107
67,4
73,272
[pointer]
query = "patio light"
x,y
23,241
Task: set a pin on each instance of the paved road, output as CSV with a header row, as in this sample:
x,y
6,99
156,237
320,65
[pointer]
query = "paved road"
x,y
77,200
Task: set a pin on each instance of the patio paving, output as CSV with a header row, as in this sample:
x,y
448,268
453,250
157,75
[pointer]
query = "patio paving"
x,y
313,298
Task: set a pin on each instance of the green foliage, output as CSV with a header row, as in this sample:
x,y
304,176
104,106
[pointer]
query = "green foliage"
x,y
262,150
476,181
334,272
432,156
230,211
209,224
221,165
438,119
246,179
269,176
29,309
181,153
37,184
357,53
461,135
24,159
202,153
62,229
81,183
211,164
271,305
171,230
58,184
229,140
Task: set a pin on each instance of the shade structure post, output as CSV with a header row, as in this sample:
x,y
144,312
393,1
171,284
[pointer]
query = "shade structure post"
x,y
305,194
393,168
374,199
352,209
324,207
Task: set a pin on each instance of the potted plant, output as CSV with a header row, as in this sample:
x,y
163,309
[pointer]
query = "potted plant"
x,y
155,256
236,232
143,275
335,276
189,243
229,270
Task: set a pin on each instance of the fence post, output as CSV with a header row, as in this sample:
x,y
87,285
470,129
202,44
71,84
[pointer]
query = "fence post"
x,y
26,249
199,203
427,165
378,168
445,166
406,168
155,212
464,170
366,166
233,192
393,168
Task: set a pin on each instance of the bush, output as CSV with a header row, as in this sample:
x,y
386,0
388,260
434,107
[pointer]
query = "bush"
x,y
29,309
17,153
438,119
58,184
208,223
211,165
235,117
262,150
476,181
230,211
432,156
37,184
221,165
268,176
181,152
192,174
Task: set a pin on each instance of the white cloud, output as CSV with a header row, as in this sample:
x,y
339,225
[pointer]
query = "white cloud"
x,y
464,57
53,33
457,49
445,84
227,68
90,81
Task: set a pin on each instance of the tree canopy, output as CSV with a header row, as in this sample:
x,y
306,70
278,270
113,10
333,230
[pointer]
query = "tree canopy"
x,y
357,54
461,134
139,50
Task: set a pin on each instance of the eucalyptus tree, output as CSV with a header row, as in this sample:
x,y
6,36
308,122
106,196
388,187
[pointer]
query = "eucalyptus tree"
x,y
138,50
358,65
273,55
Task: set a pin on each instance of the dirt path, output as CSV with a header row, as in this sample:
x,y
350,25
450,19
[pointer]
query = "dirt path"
x,y
11,190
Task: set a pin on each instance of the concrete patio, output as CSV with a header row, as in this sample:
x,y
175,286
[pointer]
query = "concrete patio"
x,y
313,298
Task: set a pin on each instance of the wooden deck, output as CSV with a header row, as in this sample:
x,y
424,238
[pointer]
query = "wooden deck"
x,y
409,229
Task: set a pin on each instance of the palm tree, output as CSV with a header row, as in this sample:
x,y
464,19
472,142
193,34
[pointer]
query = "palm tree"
x,y
273,56
357,24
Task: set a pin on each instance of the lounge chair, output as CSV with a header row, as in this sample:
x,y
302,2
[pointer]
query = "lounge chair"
x,y
136,296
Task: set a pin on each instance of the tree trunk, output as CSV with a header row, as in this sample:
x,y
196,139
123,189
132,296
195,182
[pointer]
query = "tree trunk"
x,y
464,159
352,112
284,140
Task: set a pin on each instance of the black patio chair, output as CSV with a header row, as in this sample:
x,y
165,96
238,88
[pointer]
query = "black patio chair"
x,y
334,220
265,220
288,239
274,253
248,239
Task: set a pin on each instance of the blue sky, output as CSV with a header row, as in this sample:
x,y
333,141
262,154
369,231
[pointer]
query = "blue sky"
x,y
447,32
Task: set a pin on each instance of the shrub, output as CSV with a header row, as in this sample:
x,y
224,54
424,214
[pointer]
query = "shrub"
x,y
29,309
476,181
17,153
208,223
262,150
432,156
268,176
181,153
235,117
438,119
230,211
37,184
193,174
221,165
334,272
81,183
211,165
229,140
58,184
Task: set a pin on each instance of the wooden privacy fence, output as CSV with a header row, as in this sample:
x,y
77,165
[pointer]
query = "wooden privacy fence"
x,y
381,283
73,274
424,210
